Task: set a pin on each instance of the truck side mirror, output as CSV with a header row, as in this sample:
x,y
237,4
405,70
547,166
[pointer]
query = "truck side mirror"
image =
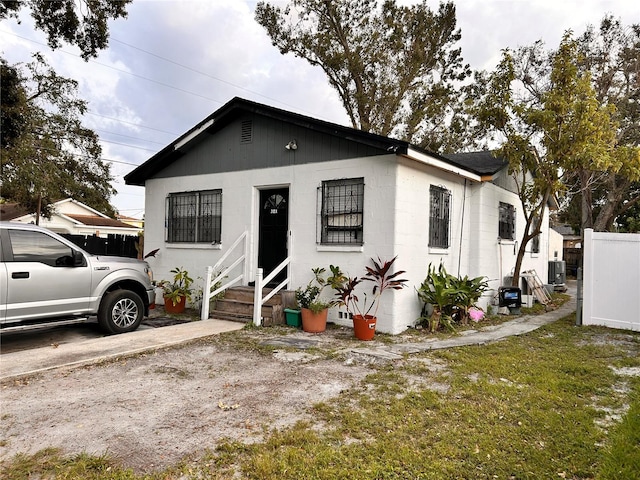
x,y
78,259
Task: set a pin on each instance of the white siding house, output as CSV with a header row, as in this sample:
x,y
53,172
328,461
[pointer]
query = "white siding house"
x,y
338,196
74,217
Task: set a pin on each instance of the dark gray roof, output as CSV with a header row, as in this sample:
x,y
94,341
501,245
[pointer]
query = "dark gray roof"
x,y
239,106
481,163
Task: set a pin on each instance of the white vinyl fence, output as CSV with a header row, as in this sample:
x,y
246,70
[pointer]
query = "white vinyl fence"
x,y
611,280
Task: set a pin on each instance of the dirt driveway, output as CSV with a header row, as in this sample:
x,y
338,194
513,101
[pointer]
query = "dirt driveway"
x,y
151,410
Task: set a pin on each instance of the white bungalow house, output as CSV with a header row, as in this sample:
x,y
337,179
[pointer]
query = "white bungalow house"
x,y
73,217
325,194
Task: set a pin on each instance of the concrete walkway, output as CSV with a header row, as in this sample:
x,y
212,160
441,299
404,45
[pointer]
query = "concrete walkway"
x,y
483,335
83,352
27,362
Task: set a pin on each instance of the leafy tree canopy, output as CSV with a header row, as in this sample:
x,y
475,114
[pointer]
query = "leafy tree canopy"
x,y
610,57
83,23
48,154
559,130
396,69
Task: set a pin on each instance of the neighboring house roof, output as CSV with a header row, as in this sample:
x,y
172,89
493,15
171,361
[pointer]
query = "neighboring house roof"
x,y
96,221
567,232
9,211
564,229
71,216
483,163
238,107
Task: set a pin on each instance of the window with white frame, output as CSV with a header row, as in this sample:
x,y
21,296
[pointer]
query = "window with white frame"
x,y
194,217
341,211
439,208
507,221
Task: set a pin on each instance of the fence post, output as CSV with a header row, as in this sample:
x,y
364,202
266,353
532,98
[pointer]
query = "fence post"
x,y
579,298
587,276
257,299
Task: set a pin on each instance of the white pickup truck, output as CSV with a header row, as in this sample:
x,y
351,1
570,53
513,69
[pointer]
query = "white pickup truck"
x,y
46,279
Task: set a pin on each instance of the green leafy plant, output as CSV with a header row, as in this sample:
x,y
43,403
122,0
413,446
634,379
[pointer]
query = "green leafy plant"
x,y
447,299
380,274
198,293
310,296
467,291
180,287
436,292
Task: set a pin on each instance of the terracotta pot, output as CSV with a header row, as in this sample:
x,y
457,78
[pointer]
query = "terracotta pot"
x,y
169,307
314,322
364,328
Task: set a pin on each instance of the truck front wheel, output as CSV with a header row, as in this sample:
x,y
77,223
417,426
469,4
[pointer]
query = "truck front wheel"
x,y
120,311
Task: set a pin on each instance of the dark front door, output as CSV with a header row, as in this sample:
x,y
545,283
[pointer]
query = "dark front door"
x,y
274,228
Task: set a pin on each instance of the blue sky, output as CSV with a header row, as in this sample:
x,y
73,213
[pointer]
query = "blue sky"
x,y
173,62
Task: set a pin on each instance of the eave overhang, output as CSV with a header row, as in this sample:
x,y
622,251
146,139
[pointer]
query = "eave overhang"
x,y
443,164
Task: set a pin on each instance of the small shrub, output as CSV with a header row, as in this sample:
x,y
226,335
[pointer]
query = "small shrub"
x,y
450,298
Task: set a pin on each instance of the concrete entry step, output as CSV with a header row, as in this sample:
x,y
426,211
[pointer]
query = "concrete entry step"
x,y
237,305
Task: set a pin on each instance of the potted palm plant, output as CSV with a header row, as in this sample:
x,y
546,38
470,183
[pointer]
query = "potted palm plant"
x,y
365,314
176,293
315,309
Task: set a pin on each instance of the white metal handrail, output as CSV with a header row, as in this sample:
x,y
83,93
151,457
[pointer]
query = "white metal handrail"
x,y
206,298
258,299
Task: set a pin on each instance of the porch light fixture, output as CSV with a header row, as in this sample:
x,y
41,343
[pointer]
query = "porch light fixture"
x,y
292,145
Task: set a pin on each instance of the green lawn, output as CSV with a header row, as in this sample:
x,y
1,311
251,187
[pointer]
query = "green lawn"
x,y
529,407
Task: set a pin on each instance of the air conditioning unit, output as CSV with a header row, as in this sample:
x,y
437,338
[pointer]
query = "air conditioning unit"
x,y
557,273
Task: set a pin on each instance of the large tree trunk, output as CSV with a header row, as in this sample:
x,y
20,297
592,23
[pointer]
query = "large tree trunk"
x,y
515,282
617,188
586,210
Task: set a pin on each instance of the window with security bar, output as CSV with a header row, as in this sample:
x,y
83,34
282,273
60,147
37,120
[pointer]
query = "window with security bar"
x,y
341,211
535,241
507,221
194,217
440,206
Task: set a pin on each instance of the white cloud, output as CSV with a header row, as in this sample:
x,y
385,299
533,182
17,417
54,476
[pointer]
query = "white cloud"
x,y
203,53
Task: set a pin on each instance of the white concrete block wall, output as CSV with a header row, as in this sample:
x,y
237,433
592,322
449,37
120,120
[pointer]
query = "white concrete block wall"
x,y
412,234
555,245
240,210
492,257
396,222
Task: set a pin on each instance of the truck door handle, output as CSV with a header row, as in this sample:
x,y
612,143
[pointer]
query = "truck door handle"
x,y
20,275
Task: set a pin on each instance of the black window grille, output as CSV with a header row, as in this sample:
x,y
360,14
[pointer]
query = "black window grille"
x,y
507,221
194,217
535,244
439,217
342,211
535,241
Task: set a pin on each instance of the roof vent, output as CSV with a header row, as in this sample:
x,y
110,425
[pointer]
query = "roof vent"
x,y
246,131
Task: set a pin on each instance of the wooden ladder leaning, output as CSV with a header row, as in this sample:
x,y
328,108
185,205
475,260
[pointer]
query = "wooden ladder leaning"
x,y
536,286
